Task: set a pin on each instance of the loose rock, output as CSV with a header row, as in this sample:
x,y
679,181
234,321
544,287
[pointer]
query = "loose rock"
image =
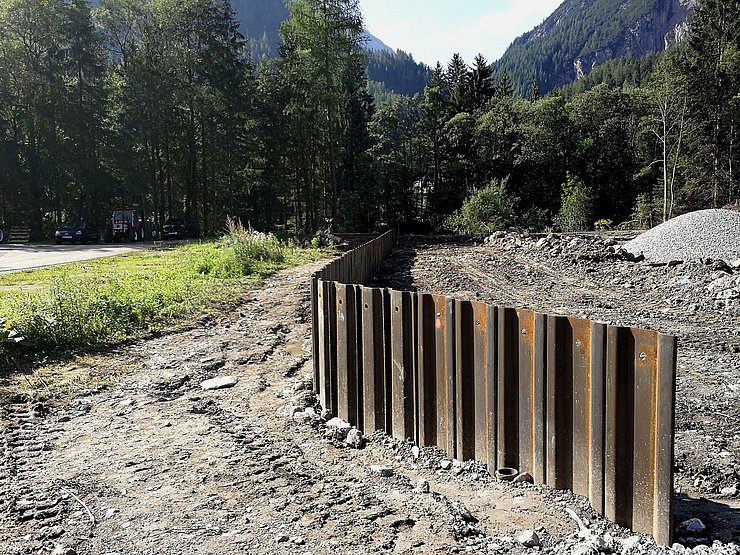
x,y
354,439
219,383
730,491
339,427
691,527
422,486
528,538
584,550
629,543
301,417
381,470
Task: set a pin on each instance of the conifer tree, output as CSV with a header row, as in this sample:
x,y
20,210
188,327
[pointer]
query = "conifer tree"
x,y
534,91
459,82
713,77
505,86
482,82
435,111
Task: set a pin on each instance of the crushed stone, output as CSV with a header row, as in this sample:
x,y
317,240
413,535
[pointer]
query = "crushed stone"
x,y
697,235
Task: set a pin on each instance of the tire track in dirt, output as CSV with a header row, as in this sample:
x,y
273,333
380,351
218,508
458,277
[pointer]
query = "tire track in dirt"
x,y
155,465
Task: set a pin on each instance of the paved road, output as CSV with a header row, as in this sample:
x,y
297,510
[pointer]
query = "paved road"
x,y
25,257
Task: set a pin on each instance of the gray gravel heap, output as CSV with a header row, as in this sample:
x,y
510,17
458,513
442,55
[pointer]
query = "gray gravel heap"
x,y
703,234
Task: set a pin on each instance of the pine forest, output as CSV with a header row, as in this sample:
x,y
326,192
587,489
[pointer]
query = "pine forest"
x,y
163,105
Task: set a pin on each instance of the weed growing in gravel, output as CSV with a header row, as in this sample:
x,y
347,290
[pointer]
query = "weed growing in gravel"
x,y
59,310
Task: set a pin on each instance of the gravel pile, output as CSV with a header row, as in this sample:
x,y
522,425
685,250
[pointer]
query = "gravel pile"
x,y
704,234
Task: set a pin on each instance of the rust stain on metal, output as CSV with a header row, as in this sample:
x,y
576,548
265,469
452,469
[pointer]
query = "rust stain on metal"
x,y
526,391
577,404
582,425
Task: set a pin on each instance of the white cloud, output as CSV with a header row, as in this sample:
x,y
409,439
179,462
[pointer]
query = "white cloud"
x,y
491,33
434,31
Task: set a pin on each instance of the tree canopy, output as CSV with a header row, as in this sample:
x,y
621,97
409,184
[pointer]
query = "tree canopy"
x,y
159,105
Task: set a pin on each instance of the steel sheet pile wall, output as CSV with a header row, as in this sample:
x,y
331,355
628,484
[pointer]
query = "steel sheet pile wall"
x,y
577,404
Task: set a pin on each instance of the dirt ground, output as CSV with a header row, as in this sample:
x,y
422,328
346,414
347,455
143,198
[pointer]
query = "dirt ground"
x,y
581,276
147,462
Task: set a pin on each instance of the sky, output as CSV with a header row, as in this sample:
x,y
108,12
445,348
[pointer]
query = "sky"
x,y
433,30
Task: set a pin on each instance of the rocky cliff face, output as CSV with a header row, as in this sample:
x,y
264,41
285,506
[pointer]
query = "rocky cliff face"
x,y
582,34
666,24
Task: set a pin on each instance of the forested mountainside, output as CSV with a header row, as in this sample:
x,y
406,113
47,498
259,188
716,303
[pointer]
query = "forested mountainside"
x,y
618,73
398,71
260,20
583,34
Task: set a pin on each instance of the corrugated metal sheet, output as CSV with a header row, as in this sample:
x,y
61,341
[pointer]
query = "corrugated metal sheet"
x,y
579,405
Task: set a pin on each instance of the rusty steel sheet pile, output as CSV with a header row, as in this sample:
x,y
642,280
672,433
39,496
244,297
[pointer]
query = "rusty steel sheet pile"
x,y
577,404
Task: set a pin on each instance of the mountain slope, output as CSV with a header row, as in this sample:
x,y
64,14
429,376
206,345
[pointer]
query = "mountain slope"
x,y
259,21
258,18
374,44
398,71
582,34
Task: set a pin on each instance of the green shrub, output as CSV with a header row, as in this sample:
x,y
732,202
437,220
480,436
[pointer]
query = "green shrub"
x,y
577,206
645,213
534,220
487,209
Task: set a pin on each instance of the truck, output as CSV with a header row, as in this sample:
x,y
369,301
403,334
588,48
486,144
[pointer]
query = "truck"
x,y
125,225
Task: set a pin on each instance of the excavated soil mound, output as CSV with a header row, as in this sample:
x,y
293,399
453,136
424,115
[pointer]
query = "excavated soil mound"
x,y
703,234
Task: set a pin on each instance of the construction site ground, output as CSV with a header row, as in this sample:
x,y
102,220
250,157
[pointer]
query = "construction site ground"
x,y
132,456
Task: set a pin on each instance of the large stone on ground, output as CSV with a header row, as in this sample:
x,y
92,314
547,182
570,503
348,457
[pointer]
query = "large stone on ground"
x,y
219,383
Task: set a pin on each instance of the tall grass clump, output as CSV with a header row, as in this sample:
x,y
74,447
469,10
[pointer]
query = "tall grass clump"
x,y
72,313
241,252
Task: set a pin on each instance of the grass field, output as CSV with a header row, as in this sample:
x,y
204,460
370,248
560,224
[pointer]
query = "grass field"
x,y
66,309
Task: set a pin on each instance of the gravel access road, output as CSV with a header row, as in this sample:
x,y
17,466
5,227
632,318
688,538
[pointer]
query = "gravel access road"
x,y
14,258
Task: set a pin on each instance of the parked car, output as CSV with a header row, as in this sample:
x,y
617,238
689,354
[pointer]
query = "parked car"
x,y
2,233
79,232
180,228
